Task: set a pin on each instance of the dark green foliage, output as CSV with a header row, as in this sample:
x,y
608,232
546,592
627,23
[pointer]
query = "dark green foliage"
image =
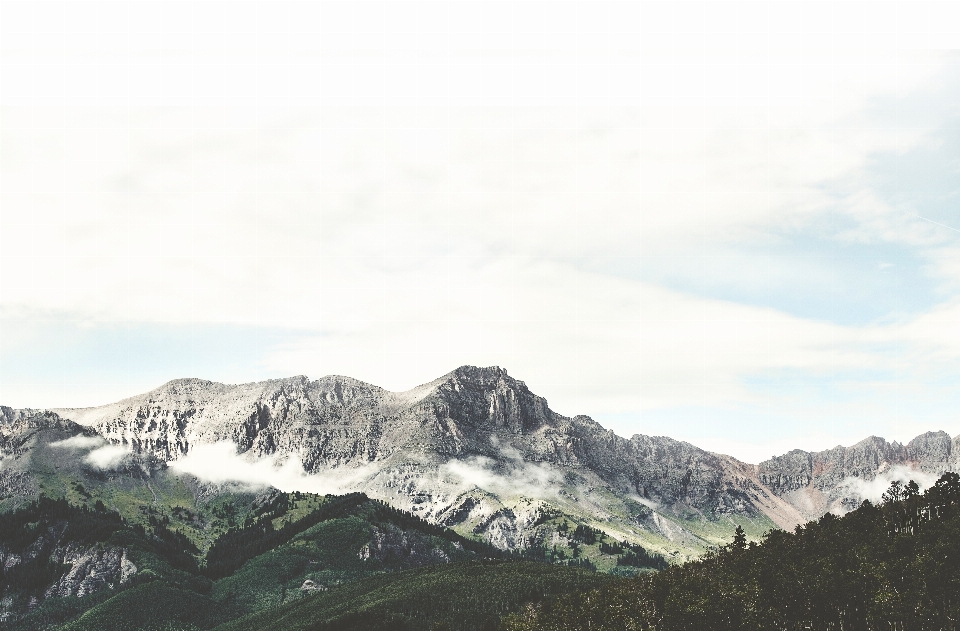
x,y
34,575
36,530
175,547
627,554
325,553
893,567
459,597
610,548
155,606
20,527
739,539
638,556
283,539
255,537
584,563
585,534
53,612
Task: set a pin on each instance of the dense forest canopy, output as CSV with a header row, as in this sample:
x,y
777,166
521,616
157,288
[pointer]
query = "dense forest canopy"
x,y
892,567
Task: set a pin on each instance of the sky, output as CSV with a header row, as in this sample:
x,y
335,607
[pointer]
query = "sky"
x,y
734,224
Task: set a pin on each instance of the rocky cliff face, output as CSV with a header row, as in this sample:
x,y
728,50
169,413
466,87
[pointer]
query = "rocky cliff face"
x,y
86,567
470,413
19,427
91,568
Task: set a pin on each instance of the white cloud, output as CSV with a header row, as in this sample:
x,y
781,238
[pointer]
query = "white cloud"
x,y
220,463
78,442
108,456
610,341
526,479
874,489
102,455
232,201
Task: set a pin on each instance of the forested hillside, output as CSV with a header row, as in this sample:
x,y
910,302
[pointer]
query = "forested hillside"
x,y
329,560
59,560
892,567
469,596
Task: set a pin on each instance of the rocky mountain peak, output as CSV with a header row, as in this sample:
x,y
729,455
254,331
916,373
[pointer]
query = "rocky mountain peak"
x,y
481,375
340,390
9,415
17,422
489,400
932,451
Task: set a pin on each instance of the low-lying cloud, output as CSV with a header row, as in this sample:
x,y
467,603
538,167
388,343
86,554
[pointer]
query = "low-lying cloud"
x,y
519,479
107,457
102,455
78,442
874,489
219,463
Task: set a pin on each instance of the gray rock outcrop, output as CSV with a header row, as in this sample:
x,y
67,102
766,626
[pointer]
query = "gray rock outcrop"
x,y
91,569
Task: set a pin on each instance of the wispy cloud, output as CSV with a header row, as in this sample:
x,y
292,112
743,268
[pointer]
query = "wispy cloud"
x,y
108,456
874,489
220,463
102,454
78,442
511,479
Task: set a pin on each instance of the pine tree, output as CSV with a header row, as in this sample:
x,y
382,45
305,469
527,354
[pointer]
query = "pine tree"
x,y
739,539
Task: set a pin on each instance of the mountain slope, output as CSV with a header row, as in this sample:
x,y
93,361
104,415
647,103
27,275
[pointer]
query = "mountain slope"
x,y
474,450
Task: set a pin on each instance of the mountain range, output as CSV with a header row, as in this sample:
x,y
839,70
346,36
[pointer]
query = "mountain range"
x,y
477,451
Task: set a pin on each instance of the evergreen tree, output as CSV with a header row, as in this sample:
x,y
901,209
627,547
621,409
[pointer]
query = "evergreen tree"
x,y
739,539
895,493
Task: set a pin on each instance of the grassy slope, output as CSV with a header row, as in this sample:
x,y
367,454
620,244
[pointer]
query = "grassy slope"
x,y
693,533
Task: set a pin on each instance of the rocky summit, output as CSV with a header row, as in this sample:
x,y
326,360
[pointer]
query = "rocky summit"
x,y
476,450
